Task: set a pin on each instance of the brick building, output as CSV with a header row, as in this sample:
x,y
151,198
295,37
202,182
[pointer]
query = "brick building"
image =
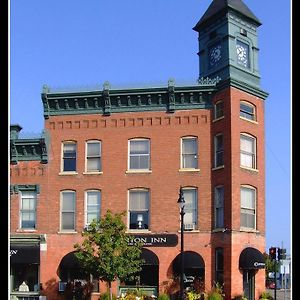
x,y
132,150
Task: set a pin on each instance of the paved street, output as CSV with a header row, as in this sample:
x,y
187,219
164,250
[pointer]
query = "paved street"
x,y
280,294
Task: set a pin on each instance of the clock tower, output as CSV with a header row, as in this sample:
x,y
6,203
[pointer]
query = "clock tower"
x,y
228,57
228,46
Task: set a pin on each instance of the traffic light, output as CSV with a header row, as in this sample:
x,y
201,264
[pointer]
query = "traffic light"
x,y
281,252
272,253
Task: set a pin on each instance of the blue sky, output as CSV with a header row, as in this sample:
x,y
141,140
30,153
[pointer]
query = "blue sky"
x,y
77,44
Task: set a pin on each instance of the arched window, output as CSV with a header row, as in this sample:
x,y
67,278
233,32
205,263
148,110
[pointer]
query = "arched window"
x,y
247,111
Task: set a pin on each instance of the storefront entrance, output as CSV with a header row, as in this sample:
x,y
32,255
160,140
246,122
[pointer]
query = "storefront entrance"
x,y
250,261
147,279
194,269
24,270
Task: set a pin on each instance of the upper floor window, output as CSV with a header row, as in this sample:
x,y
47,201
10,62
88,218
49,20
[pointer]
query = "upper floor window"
x,y
93,156
139,154
218,150
219,110
248,151
92,206
219,207
247,111
68,199
248,207
139,209
189,153
28,210
69,156
190,208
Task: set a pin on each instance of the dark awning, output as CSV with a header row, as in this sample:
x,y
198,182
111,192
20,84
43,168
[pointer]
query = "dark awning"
x,y
149,257
251,258
24,254
192,260
69,261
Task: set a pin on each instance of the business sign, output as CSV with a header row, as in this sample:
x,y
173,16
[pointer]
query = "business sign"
x,y
154,240
24,254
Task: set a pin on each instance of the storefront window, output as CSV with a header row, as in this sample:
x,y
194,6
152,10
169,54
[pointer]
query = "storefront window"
x,y
27,273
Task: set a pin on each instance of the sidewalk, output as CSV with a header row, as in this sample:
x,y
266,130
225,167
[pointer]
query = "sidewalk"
x,y
280,294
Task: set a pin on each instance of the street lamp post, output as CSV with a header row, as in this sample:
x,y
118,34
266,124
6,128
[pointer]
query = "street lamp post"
x,y
181,203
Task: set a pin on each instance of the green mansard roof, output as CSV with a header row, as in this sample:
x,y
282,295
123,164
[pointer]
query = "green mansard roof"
x,y
220,7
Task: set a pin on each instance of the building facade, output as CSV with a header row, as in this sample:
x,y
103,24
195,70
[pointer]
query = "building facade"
x,y
133,150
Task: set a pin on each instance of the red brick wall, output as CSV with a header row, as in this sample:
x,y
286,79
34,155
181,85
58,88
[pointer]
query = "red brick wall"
x,y
164,131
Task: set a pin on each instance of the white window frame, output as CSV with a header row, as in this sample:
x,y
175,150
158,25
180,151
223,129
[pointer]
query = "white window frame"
x,y
217,152
86,205
63,156
244,153
143,154
252,211
183,155
188,226
31,195
245,114
146,210
94,156
219,206
216,110
61,210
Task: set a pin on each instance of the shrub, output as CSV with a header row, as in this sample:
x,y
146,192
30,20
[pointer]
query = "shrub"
x,y
163,297
266,296
105,296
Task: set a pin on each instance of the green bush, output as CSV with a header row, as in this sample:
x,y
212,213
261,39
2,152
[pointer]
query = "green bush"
x,y
163,297
214,296
266,296
105,296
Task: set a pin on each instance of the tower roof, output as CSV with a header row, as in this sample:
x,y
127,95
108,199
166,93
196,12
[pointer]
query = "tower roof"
x,y
219,6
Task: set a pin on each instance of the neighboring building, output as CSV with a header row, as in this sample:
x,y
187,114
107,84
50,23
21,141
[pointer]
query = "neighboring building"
x,y
131,150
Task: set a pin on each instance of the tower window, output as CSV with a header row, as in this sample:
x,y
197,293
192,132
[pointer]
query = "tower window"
x,y
218,110
247,111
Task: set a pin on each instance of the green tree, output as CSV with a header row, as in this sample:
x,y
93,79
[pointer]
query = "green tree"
x,y
105,252
271,265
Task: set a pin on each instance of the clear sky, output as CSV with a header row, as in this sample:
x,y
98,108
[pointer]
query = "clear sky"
x,y
77,44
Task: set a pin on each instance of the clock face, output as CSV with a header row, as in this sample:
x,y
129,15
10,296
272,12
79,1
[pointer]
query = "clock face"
x,y
242,52
214,54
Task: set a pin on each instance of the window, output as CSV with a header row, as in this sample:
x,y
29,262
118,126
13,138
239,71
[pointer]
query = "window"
x,y
93,156
248,211
218,140
68,210
28,210
139,154
190,207
219,265
219,207
247,111
92,203
218,110
69,157
189,153
138,209
248,151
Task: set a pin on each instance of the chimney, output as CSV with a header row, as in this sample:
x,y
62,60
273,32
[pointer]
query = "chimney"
x,y
14,131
